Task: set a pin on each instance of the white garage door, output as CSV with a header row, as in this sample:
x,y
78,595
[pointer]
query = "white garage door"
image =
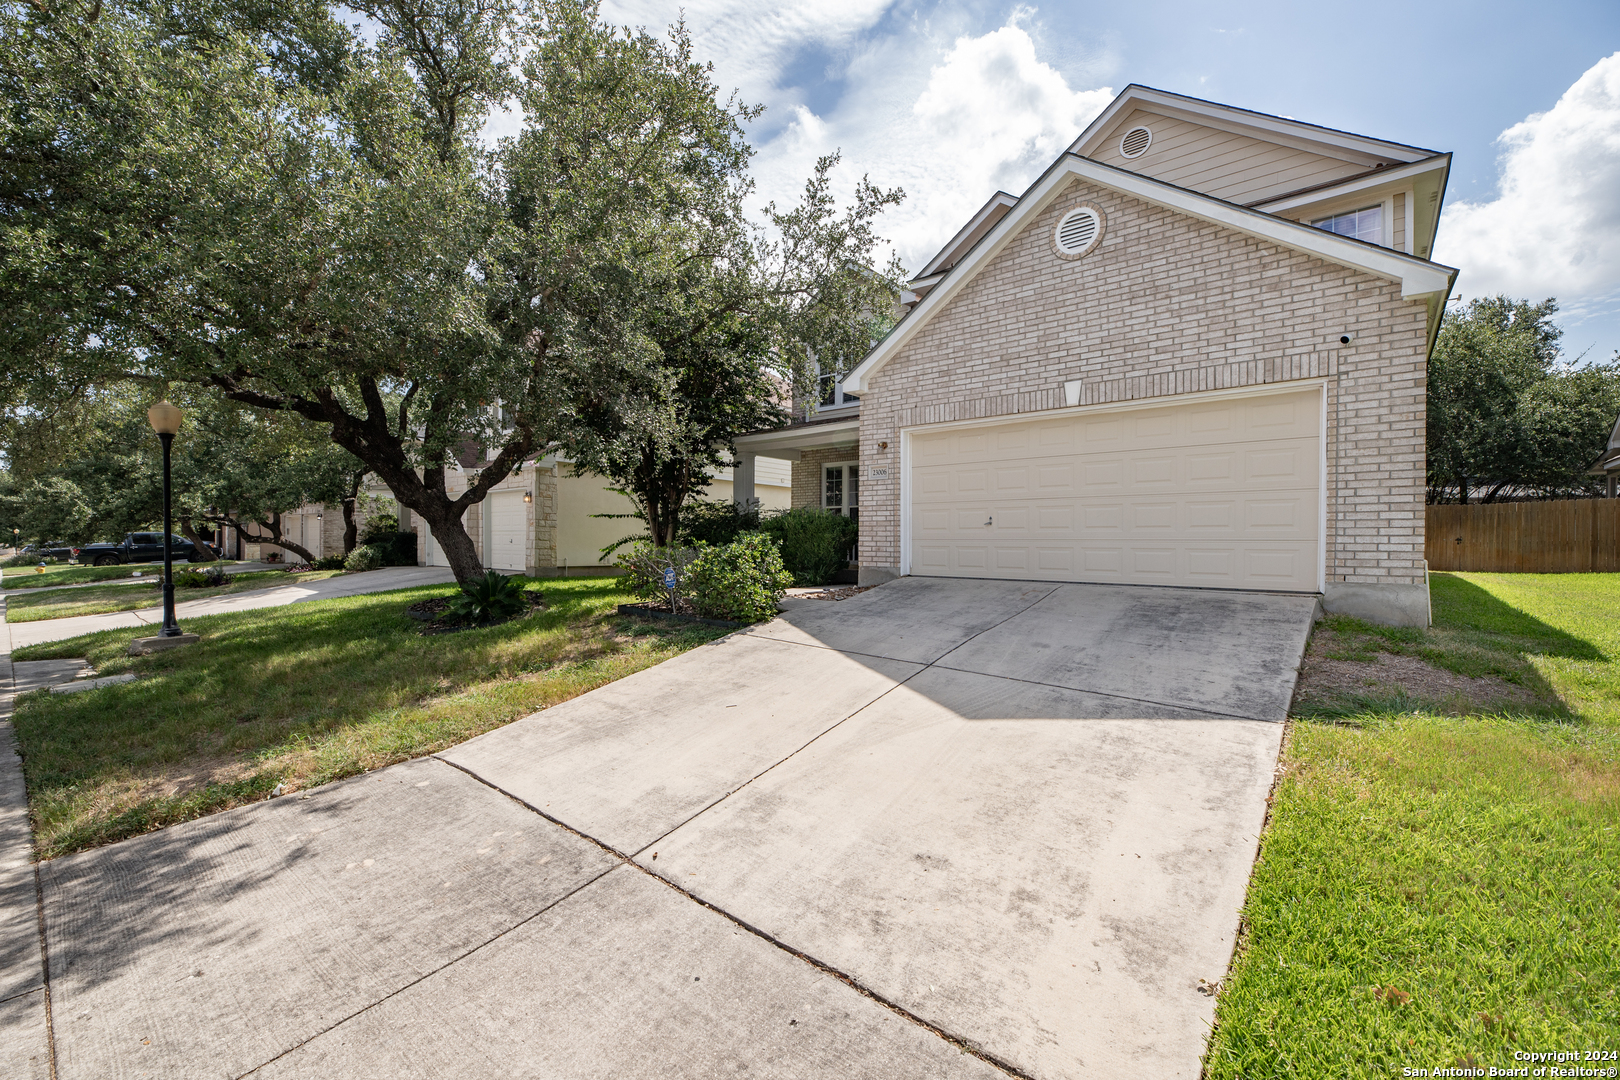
x,y
507,530
1223,493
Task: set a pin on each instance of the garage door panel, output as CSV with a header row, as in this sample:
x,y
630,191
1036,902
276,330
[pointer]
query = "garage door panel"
x,y
508,530
1214,493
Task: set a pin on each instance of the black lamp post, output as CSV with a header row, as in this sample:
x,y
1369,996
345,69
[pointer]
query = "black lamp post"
x,y
165,420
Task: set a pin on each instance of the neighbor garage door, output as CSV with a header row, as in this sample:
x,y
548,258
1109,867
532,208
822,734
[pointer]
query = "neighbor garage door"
x,y
507,530
1222,493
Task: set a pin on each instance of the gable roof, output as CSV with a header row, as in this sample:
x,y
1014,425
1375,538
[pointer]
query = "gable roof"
x,y
1419,278
1327,141
960,244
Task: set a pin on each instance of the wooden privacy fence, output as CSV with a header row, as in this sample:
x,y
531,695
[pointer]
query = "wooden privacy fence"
x,y
1567,537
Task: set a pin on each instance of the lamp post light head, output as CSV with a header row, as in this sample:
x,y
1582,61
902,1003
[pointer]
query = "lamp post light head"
x,y
165,417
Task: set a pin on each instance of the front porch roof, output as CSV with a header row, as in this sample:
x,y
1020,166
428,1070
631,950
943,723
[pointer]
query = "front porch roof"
x,y
788,442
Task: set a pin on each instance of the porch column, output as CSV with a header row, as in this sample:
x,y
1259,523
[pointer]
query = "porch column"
x,y
742,480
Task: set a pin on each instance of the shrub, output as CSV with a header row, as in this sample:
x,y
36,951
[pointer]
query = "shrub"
x,y
398,548
330,562
644,567
494,596
379,529
741,581
715,521
815,543
199,579
363,558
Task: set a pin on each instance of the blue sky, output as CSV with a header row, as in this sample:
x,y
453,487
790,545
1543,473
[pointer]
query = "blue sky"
x,y
951,100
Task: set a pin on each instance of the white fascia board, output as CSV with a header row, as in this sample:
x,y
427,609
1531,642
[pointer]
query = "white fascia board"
x,y
1397,175
1000,198
1243,121
1418,277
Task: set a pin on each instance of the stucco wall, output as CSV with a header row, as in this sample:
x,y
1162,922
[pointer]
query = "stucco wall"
x,y
1167,305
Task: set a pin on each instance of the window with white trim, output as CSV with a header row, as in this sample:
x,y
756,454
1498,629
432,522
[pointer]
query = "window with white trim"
x,y
841,489
830,392
1364,224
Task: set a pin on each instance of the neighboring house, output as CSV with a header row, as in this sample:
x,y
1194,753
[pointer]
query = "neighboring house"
x,y
1608,463
538,520
1192,353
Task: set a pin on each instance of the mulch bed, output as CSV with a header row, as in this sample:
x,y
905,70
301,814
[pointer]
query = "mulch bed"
x,y
434,613
836,592
1322,679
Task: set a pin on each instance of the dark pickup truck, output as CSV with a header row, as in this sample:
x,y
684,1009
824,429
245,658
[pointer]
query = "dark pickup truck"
x,y
140,547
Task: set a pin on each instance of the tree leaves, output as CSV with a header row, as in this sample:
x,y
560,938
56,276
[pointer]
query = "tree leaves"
x,y
1506,416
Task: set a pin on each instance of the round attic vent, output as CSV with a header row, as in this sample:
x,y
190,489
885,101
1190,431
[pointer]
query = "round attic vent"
x,y
1077,232
1134,143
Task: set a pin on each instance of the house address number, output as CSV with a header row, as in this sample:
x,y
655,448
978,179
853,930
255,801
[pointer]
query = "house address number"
x,y
880,472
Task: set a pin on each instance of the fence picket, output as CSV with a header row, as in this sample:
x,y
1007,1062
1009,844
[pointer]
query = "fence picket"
x,y
1569,536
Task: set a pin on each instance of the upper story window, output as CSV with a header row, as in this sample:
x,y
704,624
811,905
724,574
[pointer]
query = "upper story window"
x,y
830,391
1367,224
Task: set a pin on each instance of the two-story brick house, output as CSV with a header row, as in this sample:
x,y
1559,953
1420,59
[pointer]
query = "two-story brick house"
x,y
1192,353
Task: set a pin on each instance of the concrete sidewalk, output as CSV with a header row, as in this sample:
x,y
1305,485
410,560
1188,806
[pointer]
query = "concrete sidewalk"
x,y
24,1032
149,572
393,577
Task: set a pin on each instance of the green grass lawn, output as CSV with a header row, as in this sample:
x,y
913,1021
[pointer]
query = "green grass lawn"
x,y
30,577
100,599
301,695
1440,886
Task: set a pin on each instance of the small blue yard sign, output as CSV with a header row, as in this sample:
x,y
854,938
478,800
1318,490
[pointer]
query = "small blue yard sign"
x,y
669,578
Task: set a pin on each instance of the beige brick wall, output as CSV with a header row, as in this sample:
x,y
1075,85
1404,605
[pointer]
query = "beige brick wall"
x,y
1167,305
807,473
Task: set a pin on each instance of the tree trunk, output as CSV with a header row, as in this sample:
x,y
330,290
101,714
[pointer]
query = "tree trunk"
x,y
458,547
1462,490
273,528
351,528
190,533
379,439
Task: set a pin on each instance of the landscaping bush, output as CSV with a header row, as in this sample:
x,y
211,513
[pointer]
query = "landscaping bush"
x,y
19,560
494,596
209,578
399,549
644,567
392,547
379,529
363,558
815,543
715,521
741,581
330,562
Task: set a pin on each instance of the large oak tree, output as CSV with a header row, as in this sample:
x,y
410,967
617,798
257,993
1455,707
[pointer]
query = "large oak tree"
x,y
307,221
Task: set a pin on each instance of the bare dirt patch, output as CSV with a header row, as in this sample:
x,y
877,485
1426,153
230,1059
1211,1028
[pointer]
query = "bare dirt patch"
x,y
1322,679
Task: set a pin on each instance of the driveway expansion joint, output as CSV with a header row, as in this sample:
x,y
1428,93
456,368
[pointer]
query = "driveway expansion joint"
x,y
398,990
957,1041
1104,693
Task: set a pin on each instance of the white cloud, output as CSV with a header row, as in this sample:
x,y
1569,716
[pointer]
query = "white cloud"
x,y
949,116
1554,227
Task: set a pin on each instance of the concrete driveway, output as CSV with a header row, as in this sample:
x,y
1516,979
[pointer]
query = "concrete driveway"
x,y
941,829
